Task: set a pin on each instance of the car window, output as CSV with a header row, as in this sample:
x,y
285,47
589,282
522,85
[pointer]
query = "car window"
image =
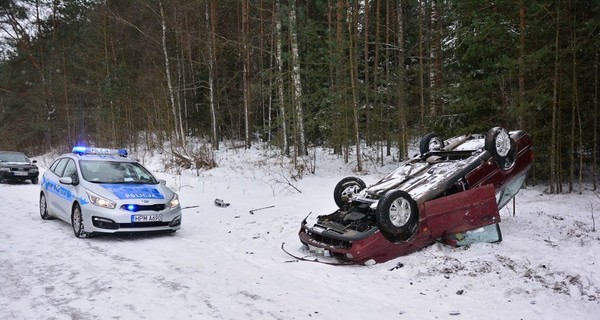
x,y
60,166
13,157
70,169
115,172
510,190
54,164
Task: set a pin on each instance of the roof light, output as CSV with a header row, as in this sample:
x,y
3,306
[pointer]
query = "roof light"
x,y
81,150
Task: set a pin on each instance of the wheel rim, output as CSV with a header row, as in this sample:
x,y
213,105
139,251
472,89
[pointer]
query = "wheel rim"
x,y
42,206
502,143
435,144
400,212
350,190
77,225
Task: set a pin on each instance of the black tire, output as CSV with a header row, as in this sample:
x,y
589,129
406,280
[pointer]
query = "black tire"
x,y
77,222
397,215
44,207
34,181
345,187
430,142
500,145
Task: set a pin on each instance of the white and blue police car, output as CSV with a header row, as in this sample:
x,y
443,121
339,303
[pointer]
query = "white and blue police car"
x,y
100,190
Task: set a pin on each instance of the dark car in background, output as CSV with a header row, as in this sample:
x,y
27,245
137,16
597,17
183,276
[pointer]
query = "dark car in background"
x,y
17,167
450,192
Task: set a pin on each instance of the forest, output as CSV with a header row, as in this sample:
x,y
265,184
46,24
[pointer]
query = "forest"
x,y
300,74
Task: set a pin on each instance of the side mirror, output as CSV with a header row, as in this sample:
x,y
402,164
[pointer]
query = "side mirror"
x,y
75,179
162,182
66,180
34,161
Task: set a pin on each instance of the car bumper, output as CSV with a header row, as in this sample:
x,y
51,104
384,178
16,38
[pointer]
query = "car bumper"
x,y
10,175
374,246
102,220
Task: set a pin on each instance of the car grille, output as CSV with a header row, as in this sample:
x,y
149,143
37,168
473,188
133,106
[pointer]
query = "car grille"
x,y
143,224
336,243
139,207
153,207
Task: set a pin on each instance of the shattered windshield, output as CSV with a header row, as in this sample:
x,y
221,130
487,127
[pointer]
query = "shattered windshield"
x,y
115,172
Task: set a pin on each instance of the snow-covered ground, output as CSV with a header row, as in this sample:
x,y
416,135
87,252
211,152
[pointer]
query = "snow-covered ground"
x,y
227,263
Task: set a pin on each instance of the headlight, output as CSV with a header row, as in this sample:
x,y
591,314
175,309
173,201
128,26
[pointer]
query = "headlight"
x,y
174,203
101,202
33,170
7,169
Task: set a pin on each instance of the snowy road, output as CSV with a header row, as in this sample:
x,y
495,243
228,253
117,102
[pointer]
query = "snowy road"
x,y
226,263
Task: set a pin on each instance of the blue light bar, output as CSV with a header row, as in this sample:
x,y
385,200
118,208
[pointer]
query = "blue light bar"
x,y
81,150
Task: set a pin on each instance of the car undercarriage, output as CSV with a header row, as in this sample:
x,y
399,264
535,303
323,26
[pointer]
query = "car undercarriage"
x,y
450,189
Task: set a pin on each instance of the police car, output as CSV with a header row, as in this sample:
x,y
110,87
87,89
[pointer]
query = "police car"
x,y
100,190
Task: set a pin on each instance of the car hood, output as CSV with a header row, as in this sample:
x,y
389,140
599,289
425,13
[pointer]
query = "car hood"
x,y
157,192
15,163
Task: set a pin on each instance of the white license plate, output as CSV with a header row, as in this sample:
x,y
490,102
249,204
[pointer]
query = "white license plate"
x,y
319,251
20,173
146,217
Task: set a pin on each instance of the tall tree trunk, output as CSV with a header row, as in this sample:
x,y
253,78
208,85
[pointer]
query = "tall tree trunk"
x,y
353,62
576,110
296,81
435,59
176,121
367,68
340,79
272,76
402,112
421,41
261,69
279,78
246,71
575,116
521,111
554,151
377,105
334,71
386,106
108,60
595,134
210,19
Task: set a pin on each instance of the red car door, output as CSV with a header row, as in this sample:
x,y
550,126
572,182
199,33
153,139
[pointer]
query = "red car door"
x,y
461,212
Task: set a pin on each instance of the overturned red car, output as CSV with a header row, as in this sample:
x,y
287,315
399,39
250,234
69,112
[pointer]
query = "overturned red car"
x,y
451,192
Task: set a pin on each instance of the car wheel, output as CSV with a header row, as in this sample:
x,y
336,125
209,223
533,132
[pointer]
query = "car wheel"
x,y
345,188
430,142
34,181
397,215
44,207
77,222
499,144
